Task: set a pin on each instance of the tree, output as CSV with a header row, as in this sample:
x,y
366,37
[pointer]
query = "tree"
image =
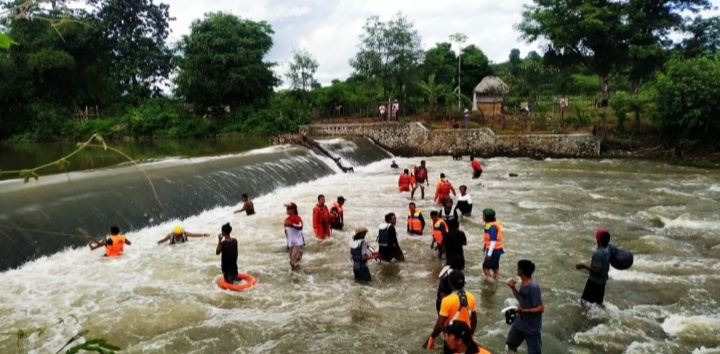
x,y
433,91
302,71
136,31
221,63
704,37
599,34
686,96
475,66
389,52
441,61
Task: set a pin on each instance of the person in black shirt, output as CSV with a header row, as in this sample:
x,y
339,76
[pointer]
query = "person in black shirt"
x,y
228,246
454,242
387,240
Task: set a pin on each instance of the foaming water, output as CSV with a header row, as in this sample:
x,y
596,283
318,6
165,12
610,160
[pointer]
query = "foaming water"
x,y
163,299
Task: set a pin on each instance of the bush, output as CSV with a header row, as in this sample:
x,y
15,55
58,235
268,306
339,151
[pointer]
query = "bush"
x,y
165,119
686,96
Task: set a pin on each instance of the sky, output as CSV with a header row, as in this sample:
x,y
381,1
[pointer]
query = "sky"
x,y
330,30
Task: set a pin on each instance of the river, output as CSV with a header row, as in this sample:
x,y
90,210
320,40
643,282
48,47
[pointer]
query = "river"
x,y
163,299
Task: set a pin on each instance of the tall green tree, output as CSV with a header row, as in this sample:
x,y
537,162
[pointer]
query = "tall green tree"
x,y
389,52
441,61
704,39
475,66
302,71
433,92
136,31
221,63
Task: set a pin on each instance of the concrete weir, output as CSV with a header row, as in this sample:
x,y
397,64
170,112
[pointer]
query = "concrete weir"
x,y
413,139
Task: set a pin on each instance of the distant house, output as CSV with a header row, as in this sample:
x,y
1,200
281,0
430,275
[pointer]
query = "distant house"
x,y
488,95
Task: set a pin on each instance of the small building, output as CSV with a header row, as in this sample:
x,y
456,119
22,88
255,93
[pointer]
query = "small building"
x,y
488,96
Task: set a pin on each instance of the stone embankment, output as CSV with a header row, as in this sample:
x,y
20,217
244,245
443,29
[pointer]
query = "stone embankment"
x,y
413,139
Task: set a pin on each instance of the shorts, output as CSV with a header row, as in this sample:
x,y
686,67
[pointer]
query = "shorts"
x,y
362,273
593,292
534,341
420,185
296,254
387,254
230,277
494,261
476,174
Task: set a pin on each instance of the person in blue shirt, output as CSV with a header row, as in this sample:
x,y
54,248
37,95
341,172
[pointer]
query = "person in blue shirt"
x,y
394,165
594,292
527,326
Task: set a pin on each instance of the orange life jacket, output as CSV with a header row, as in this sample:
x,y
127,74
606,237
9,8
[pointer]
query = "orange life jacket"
x,y
404,182
438,226
499,242
336,217
117,247
413,221
442,191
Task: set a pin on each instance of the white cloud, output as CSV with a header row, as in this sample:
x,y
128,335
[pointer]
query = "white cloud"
x,y
329,30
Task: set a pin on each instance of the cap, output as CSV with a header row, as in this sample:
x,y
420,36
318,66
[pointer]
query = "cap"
x,y
489,212
458,329
291,205
341,199
600,232
177,230
361,229
457,279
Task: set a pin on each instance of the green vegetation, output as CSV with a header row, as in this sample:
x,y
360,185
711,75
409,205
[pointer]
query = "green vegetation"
x,y
88,345
106,68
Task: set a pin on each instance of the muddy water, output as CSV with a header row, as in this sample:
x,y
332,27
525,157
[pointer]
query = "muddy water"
x,y
163,299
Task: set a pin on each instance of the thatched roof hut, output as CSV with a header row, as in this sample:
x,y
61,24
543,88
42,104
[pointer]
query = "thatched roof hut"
x,y
490,90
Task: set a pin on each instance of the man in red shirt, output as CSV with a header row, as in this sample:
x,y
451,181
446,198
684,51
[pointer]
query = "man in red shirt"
x,y
476,167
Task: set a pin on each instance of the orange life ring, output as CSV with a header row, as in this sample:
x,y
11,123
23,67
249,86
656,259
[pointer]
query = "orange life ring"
x,y
250,281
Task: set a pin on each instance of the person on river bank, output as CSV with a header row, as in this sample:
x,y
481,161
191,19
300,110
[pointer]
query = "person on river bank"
x,y
527,326
421,180
228,247
248,206
114,244
179,235
321,219
294,236
493,244
415,220
389,247
594,292
360,254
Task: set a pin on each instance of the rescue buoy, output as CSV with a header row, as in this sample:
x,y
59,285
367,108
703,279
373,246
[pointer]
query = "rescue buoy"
x,y
249,282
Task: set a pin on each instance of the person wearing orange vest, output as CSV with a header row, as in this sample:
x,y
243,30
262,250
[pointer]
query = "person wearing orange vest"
x,y
337,218
321,219
421,180
476,167
493,247
415,221
439,230
405,181
459,339
114,244
458,306
443,189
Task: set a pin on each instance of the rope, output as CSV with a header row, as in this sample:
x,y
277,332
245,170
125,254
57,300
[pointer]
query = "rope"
x,y
41,231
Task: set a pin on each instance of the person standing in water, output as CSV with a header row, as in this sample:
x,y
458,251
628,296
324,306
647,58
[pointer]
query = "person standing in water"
x,y
460,306
415,220
321,219
464,203
394,165
294,236
476,167
447,212
421,180
493,246
248,206
337,215
360,254
114,244
454,241
228,247
528,321
594,292
405,181
388,242
443,189
178,235
439,230
459,339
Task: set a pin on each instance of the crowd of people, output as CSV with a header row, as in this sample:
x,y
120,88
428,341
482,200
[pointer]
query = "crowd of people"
x,y
456,307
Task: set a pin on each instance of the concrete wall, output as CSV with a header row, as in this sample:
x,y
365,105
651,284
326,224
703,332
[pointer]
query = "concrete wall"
x,y
414,139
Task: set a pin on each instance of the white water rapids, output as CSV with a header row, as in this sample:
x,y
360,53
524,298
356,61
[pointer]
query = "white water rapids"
x,y
163,299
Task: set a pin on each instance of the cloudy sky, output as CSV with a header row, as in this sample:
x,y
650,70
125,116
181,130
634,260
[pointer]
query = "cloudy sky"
x,y
329,30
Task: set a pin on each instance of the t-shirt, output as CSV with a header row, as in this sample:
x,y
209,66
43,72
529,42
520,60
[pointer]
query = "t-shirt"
x,y
229,256
451,305
294,233
529,296
454,242
600,259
